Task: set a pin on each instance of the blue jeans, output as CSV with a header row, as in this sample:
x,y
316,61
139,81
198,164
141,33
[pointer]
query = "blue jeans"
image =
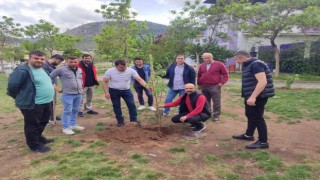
x,y
71,103
127,96
170,96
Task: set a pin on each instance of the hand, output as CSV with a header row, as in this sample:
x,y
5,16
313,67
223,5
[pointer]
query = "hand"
x,y
199,87
251,101
58,90
107,95
161,106
183,118
220,84
149,88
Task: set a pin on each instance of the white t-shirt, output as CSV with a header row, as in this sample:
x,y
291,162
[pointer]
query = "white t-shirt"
x,y
120,79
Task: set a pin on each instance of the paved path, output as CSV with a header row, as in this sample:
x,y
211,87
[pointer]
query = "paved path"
x,y
303,85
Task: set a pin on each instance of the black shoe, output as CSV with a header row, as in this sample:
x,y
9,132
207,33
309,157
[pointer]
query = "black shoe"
x,y
243,137
41,149
44,140
80,114
199,128
258,145
120,124
92,112
58,118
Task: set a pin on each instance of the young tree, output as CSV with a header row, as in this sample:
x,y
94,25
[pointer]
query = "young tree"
x,y
269,19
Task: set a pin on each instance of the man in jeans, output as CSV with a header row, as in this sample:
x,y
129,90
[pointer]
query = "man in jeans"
x,y
71,80
179,74
89,81
144,72
116,85
32,89
212,75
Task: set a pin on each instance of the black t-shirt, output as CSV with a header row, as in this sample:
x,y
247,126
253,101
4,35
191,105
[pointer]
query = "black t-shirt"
x,y
89,75
141,73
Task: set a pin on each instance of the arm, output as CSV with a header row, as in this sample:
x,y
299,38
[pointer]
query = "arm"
x,y
167,75
96,83
140,80
199,76
172,104
192,75
16,80
224,74
105,82
201,101
262,82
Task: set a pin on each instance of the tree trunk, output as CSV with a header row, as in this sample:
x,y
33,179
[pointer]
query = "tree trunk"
x,y
276,57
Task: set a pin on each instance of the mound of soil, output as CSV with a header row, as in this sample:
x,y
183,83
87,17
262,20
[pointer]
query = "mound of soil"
x,y
137,135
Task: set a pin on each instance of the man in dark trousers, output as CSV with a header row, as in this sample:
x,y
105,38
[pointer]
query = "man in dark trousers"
x,y
49,66
194,108
257,87
89,82
32,89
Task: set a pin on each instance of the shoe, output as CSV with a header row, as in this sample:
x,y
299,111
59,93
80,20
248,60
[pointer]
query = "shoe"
x,y
120,124
192,126
92,112
199,128
41,149
58,118
216,119
151,108
258,145
80,114
68,131
141,108
44,140
243,137
165,114
50,124
77,127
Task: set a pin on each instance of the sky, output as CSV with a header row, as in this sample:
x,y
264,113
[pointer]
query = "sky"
x,y
68,14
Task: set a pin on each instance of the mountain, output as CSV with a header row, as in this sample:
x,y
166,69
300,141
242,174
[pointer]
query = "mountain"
x,y
89,30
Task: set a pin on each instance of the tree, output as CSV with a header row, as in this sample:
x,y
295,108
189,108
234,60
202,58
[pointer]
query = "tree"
x,y
9,33
268,20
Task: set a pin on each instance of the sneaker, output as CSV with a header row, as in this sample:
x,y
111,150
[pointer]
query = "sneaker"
x,y
44,140
141,108
199,128
50,124
243,137
68,131
80,114
77,127
120,124
216,119
151,108
258,145
92,112
41,149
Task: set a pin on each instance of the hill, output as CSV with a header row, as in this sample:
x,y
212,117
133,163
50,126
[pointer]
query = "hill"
x,y
89,30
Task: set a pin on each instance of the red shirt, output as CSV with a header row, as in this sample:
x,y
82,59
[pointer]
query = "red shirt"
x,y
201,101
216,74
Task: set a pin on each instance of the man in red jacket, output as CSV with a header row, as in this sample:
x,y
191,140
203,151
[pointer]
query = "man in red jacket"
x,y
89,80
194,108
212,75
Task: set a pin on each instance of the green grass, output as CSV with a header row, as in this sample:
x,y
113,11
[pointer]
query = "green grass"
x,y
268,162
294,172
74,143
100,126
98,144
210,158
139,158
177,150
7,103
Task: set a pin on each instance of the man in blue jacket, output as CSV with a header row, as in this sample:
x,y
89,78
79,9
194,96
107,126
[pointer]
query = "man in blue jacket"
x,y
32,89
144,72
179,74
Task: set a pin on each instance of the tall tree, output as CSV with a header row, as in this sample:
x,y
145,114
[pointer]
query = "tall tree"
x,y
9,33
269,19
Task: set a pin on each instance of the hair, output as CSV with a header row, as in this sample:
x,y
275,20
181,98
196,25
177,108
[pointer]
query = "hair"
x,y
181,55
120,62
242,53
138,58
57,56
36,53
86,55
72,57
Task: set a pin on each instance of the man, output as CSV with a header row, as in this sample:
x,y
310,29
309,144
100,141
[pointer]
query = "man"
x,y
257,87
179,74
194,108
71,80
32,89
212,75
49,66
144,72
89,80
116,85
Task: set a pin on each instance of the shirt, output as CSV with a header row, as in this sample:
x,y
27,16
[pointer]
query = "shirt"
x,y
44,88
178,78
120,80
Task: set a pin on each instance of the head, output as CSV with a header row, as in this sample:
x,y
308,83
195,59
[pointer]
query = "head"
x,y
121,65
189,88
241,56
72,62
138,61
87,59
36,59
180,59
56,59
207,58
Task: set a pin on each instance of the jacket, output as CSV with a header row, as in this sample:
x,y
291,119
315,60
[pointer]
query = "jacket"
x,y
193,100
189,75
147,71
216,74
21,87
94,69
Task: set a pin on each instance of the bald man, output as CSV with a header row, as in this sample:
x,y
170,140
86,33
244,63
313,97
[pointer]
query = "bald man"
x,y
212,75
194,108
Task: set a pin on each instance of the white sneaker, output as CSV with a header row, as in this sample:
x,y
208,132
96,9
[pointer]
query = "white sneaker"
x,y
77,127
151,108
141,107
68,131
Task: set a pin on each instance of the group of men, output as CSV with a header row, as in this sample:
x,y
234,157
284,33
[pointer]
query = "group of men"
x,y
33,86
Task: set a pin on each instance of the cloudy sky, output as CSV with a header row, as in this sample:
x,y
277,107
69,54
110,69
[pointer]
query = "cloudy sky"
x,y
72,13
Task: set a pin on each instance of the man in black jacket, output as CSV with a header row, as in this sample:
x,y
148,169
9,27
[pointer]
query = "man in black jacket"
x,y
257,87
